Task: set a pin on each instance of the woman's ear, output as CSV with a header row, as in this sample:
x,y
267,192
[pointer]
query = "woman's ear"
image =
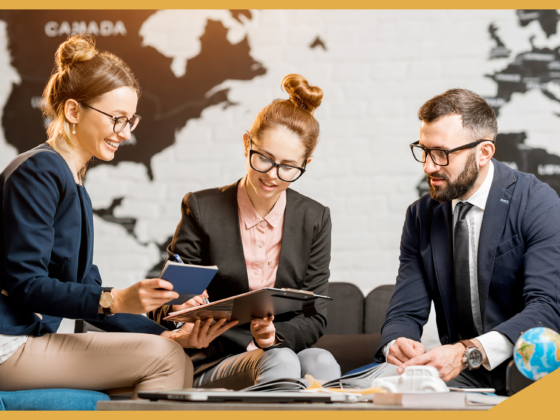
x,y
246,144
71,111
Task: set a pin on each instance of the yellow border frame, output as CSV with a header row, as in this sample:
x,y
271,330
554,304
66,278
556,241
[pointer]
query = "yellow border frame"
x,y
537,400
284,4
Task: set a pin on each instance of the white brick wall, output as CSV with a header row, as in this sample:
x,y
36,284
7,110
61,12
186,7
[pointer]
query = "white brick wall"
x,y
379,67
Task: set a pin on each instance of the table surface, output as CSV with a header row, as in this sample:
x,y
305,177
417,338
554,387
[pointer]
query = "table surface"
x,y
146,405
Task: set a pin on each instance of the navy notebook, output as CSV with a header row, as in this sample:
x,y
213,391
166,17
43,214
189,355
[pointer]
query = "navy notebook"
x,y
188,280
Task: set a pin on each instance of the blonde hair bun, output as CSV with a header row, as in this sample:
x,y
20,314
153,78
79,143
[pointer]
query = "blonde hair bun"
x,y
301,93
75,49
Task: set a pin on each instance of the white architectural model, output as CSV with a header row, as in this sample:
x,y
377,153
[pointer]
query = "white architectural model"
x,y
413,379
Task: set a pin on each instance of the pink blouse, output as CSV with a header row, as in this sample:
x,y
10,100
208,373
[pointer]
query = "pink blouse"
x,y
261,238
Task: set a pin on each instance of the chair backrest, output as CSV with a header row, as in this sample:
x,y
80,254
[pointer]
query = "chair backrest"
x,y
345,314
515,381
81,326
376,305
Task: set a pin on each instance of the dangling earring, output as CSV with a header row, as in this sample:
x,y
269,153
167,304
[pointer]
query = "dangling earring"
x,y
73,128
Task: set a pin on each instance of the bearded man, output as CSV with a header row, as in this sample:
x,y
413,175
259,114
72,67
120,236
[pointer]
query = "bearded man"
x,y
484,246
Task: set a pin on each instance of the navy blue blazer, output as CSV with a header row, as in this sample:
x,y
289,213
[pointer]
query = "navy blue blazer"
x,y
46,250
518,263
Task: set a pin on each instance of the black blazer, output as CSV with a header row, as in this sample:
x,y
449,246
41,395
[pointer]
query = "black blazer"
x,y
46,250
518,262
209,234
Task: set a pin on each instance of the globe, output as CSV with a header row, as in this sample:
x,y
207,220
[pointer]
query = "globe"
x,y
537,352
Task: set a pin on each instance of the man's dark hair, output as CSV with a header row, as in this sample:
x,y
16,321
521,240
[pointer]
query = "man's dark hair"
x,y
478,116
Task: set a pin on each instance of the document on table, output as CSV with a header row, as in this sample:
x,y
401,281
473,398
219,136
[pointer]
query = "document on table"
x,y
437,400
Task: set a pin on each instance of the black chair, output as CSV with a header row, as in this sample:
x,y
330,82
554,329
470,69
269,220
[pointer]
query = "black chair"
x,y
376,306
81,326
515,381
349,336
346,311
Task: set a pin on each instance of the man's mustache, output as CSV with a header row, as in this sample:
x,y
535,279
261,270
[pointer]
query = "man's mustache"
x,y
436,175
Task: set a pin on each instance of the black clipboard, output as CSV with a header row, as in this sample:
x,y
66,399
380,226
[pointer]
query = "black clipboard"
x,y
256,304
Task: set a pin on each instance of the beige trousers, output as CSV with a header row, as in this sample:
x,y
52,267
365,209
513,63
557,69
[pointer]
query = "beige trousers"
x,y
97,361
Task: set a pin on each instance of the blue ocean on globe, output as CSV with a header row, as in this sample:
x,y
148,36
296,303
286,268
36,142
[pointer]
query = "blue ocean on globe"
x,y
537,352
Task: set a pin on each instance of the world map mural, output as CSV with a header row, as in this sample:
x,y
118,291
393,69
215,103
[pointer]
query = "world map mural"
x,y
205,75
539,69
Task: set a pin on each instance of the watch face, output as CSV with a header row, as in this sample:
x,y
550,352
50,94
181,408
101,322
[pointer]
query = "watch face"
x,y
475,358
106,300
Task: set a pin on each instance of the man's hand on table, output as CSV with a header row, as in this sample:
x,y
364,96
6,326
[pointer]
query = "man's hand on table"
x,y
446,359
404,349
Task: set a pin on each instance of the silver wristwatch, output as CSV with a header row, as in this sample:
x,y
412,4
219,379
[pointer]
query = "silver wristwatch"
x,y
473,356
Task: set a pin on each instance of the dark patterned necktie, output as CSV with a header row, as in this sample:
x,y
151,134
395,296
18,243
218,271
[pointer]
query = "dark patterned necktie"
x,y
461,275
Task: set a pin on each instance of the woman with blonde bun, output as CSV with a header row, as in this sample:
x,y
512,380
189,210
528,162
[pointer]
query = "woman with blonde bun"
x,y
46,247
260,234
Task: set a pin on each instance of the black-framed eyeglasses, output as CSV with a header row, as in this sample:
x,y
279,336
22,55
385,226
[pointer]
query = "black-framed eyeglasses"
x,y
440,157
263,164
119,122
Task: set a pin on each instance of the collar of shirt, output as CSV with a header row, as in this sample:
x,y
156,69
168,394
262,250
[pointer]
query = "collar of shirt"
x,y
249,214
480,197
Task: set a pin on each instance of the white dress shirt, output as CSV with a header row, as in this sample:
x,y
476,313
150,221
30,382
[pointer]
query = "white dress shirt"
x,y
9,344
497,347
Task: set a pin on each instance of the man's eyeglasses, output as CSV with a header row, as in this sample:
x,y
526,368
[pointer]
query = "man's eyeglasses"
x,y
263,164
440,157
119,122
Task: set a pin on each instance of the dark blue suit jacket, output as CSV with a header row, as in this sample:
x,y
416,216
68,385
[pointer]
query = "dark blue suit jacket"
x,y
518,263
46,250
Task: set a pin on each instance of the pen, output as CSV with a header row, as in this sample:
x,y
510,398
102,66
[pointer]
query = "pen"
x,y
178,259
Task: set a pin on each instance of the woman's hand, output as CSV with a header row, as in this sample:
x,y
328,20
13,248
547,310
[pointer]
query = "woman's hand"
x,y
191,303
264,332
142,297
196,336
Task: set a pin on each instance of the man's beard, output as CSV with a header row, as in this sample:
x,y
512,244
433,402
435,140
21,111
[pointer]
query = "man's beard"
x,y
460,187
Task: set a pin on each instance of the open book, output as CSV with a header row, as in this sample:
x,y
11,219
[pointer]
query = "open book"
x,y
356,380
282,384
363,379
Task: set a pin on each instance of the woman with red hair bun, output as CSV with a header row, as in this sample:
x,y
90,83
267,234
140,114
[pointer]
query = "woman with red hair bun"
x,y
260,233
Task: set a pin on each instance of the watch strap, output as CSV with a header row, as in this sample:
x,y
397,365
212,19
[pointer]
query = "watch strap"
x,y
468,344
